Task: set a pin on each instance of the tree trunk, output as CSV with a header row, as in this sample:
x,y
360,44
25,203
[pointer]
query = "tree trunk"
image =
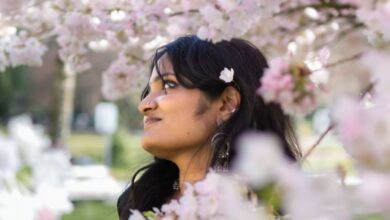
x,y
62,106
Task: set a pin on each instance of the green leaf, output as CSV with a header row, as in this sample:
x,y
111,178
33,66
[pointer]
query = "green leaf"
x,y
270,195
149,215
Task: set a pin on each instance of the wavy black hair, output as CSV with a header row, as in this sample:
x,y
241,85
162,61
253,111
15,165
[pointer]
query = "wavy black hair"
x,y
197,64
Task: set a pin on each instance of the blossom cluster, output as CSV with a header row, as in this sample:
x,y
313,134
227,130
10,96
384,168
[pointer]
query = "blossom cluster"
x,y
136,28
216,197
360,128
122,78
43,197
290,86
21,50
376,17
364,125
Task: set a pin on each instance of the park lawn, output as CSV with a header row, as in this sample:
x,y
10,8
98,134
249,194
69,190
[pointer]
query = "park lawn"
x,y
92,210
87,144
92,145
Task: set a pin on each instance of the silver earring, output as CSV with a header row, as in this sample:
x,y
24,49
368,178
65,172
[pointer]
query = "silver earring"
x,y
222,160
175,185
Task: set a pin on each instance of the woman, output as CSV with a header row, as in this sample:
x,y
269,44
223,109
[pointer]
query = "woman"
x,y
193,114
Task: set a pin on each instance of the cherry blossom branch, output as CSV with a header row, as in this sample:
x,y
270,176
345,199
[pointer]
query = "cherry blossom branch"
x,y
341,35
134,57
322,5
314,146
183,12
345,60
330,127
336,63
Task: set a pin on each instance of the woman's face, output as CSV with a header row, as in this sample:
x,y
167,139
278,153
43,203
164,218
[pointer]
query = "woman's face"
x,y
176,119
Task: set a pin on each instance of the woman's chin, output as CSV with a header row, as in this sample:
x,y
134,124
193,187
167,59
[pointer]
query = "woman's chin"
x,y
156,149
148,141
150,145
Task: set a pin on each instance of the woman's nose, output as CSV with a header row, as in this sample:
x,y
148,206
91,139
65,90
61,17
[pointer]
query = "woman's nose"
x,y
147,104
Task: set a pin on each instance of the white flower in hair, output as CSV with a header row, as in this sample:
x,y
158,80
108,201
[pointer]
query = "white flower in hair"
x,y
227,75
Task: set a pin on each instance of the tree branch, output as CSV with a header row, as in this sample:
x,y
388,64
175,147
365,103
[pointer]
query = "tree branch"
x,y
314,146
345,60
183,12
322,5
330,127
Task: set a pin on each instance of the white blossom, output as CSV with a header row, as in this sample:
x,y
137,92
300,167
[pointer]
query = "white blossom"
x,y
259,158
51,167
29,139
9,157
22,51
136,215
227,75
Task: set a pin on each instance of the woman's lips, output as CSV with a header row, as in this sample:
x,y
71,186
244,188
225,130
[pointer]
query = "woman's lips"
x,y
150,120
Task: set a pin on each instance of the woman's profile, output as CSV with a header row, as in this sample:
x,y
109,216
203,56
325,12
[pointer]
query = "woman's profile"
x,y
200,97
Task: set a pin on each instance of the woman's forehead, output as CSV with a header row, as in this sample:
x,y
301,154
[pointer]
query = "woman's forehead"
x,y
164,66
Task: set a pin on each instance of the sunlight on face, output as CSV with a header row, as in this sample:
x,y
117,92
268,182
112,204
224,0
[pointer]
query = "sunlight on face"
x,y
176,119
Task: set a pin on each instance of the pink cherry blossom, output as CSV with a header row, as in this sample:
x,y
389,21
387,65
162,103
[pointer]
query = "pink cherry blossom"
x,y
121,78
212,15
373,192
46,214
313,197
228,5
9,157
262,151
11,7
188,204
377,62
282,84
24,51
136,215
364,132
377,18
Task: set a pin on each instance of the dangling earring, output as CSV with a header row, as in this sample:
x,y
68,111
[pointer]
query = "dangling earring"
x,y
222,161
175,185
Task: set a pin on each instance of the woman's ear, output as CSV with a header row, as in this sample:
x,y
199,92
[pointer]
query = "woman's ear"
x,y
230,102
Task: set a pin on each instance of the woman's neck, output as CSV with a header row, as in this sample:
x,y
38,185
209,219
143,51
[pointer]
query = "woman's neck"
x,y
193,166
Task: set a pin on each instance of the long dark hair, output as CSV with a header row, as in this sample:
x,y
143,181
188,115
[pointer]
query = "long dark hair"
x,y
197,64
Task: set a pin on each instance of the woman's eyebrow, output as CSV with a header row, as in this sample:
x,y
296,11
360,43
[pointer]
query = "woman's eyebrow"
x,y
161,76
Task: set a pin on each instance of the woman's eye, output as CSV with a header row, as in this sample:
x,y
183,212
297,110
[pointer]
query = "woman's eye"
x,y
169,84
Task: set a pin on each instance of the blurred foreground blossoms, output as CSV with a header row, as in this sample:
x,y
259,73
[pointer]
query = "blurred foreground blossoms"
x,y
309,43
31,174
283,189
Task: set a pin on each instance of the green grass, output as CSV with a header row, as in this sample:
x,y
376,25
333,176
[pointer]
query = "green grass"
x,y
92,145
87,144
92,210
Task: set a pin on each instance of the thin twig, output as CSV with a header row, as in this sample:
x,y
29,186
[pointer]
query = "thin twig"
x,y
330,127
316,6
183,12
342,34
345,60
311,149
